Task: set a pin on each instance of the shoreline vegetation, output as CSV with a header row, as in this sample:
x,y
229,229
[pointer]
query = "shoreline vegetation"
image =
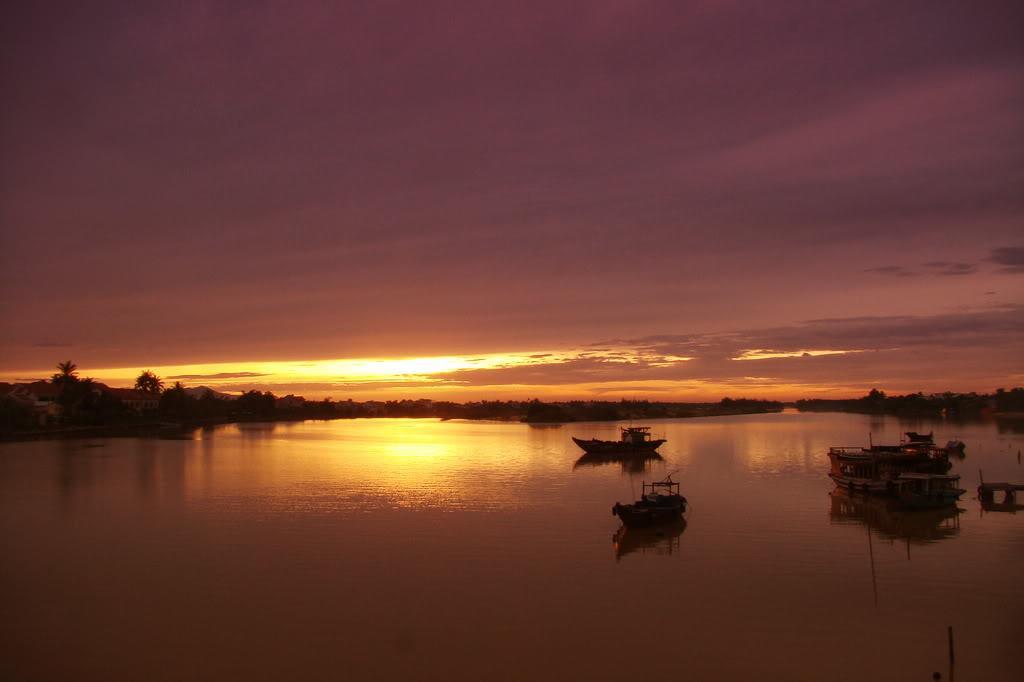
x,y
1002,402
69,406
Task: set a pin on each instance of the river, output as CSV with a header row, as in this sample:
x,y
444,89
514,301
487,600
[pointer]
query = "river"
x,y
419,549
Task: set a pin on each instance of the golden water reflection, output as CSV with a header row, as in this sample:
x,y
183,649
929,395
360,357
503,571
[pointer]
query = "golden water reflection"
x,y
418,549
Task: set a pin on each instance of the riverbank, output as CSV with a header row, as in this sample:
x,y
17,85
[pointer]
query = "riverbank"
x,y
157,428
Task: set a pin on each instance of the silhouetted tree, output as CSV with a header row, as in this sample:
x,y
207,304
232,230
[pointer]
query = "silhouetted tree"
x,y
67,374
256,403
148,382
67,368
175,402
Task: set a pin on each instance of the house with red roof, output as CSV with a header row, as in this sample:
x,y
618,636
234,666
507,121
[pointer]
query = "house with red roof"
x,y
138,401
42,397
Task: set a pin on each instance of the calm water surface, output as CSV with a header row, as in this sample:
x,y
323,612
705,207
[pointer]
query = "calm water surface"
x,y
418,549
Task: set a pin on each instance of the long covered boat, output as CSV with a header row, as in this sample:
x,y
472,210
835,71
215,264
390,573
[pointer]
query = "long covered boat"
x,y
876,469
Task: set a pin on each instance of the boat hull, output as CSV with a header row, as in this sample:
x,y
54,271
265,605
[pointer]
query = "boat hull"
x,y
866,485
643,516
613,447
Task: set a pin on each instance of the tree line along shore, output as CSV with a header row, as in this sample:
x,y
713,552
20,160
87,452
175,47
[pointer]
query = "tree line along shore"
x,y
69,404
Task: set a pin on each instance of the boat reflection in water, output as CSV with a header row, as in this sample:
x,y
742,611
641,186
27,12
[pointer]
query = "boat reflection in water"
x,y
1010,506
891,521
634,463
662,539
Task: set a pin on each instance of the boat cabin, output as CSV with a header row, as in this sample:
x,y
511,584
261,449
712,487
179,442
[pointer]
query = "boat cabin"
x,y
636,435
653,492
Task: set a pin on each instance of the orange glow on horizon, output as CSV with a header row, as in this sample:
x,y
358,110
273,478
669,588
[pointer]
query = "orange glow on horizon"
x,y
596,375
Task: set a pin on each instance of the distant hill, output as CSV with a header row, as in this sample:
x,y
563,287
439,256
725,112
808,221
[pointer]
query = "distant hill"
x,y
199,391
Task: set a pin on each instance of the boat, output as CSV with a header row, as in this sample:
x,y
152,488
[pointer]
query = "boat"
x,y
956,447
660,502
875,469
634,439
927,491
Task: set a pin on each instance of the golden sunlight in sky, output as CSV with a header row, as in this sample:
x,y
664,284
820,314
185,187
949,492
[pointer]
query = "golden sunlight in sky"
x,y
460,378
767,354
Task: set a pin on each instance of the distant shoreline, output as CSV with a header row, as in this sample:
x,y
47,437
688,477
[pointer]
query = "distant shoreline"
x,y
167,429
68,407
171,431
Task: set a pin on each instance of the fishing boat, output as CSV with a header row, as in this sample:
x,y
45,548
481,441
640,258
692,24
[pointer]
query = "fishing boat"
x,y
660,502
875,469
634,439
927,491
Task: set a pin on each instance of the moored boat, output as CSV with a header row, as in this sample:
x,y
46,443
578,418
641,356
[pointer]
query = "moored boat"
x,y
634,439
875,469
660,502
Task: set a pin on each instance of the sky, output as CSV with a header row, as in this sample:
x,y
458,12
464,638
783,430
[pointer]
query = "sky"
x,y
665,200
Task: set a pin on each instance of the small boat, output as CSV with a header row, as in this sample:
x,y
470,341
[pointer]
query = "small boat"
x,y
635,439
927,491
921,438
660,502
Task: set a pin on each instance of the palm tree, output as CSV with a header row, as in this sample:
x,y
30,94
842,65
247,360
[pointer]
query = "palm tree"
x,y
67,375
148,382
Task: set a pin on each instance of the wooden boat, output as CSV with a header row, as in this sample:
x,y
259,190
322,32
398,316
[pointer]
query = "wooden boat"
x,y
928,491
635,439
660,502
875,469
923,438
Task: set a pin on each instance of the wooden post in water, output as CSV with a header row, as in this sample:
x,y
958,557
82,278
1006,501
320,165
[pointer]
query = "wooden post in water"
x,y
952,659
